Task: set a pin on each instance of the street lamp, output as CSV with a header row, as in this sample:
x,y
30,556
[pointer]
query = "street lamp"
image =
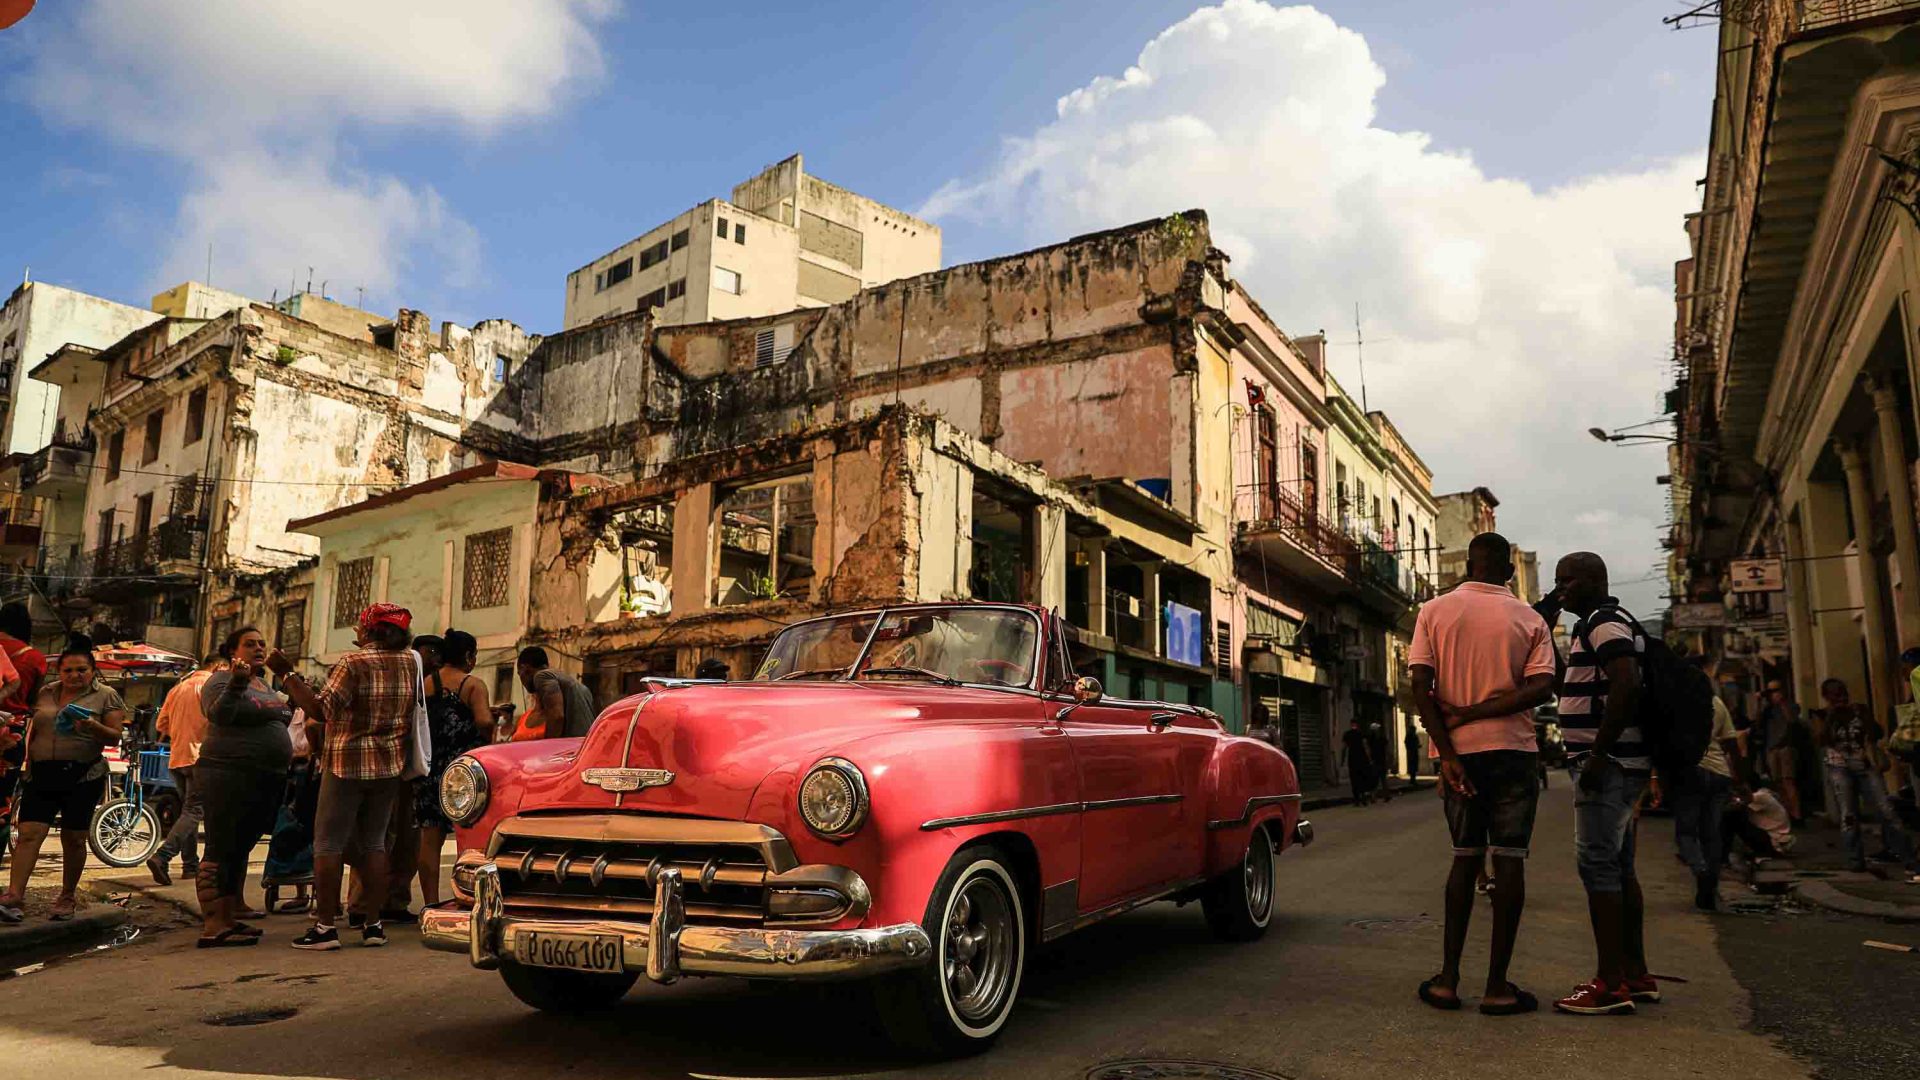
x,y
1615,437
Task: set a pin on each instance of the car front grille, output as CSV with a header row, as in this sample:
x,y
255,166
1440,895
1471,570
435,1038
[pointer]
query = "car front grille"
x,y
607,864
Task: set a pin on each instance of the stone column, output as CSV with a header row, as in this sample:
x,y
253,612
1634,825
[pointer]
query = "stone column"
x,y
1894,466
1096,572
1800,609
695,554
1873,619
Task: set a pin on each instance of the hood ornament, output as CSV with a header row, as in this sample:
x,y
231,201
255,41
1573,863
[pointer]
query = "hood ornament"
x,y
618,780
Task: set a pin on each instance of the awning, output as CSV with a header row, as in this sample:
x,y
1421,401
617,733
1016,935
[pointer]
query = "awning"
x,y
140,658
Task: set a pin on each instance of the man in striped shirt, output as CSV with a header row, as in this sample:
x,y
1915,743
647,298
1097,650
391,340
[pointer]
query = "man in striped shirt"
x,y
1599,696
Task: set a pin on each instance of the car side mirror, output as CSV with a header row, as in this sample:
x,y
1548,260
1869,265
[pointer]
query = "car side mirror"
x,y
1086,691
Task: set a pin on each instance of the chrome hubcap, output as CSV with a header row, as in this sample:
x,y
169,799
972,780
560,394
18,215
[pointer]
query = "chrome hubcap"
x,y
981,941
1258,867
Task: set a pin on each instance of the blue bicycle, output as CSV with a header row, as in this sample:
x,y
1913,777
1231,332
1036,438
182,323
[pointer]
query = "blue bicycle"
x,y
127,829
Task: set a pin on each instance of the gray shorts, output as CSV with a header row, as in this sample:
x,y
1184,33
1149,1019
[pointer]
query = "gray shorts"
x,y
352,814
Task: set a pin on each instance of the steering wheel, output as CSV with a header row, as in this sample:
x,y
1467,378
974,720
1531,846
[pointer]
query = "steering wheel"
x,y
1002,671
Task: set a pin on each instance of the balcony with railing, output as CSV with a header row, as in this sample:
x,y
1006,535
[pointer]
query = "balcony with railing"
x,y
60,467
1828,14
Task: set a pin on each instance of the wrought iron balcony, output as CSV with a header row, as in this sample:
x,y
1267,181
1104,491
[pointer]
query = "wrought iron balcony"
x,y
1826,14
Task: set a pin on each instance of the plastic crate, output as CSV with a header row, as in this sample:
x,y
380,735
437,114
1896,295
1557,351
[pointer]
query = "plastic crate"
x,y
153,768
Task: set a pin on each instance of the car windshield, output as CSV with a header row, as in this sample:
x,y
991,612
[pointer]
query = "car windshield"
x,y
995,646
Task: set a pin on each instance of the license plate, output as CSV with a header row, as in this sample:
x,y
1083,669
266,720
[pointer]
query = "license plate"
x,y
578,952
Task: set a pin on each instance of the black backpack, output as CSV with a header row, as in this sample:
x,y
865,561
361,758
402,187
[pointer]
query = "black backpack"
x,y
1675,714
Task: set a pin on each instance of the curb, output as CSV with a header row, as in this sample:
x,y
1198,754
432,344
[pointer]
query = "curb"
x,y
38,933
1824,895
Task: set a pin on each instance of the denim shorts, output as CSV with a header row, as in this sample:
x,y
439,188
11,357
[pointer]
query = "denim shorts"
x,y
1498,816
1603,826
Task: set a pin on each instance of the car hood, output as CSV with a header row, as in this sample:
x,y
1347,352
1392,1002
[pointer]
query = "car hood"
x,y
721,740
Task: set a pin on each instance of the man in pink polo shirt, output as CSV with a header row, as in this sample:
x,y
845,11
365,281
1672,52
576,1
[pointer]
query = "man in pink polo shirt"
x,y
1480,661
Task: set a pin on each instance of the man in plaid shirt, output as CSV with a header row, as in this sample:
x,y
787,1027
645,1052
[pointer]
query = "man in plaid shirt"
x,y
367,707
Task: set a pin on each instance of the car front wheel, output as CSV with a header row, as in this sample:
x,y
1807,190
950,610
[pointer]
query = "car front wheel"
x,y
556,991
1239,903
957,1003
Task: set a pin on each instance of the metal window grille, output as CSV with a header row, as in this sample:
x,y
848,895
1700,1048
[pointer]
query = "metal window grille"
x,y
352,591
484,581
291,635
763,349
1223,649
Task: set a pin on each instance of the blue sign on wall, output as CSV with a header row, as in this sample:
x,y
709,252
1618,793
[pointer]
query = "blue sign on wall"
x,y
1186,635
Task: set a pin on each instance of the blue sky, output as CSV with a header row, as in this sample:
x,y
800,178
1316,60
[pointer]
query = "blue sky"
x,y
493,154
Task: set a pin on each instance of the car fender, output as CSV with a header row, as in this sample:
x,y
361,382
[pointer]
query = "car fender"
x,y
917,780
1249,783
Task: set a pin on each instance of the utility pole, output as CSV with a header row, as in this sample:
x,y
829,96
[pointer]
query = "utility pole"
x,y
1360,354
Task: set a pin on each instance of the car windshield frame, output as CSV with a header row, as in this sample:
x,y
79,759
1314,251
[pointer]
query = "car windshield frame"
x,y
1035,671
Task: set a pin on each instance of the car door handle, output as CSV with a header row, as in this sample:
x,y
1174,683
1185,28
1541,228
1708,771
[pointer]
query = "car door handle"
x,y
1161,721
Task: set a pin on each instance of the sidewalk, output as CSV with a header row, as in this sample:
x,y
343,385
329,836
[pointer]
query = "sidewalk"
x,y
1817,873
1319,798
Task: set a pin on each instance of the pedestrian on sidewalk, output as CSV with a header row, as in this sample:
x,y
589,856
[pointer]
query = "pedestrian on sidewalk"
x,y
1849,739
1377,753
1782,732
562,706
1480,660
1353,755
366,710
242,774
1599,698
1413,752
184,726
16,627
75,718
1699,801
461,720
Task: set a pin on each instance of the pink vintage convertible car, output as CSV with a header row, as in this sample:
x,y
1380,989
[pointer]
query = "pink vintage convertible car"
x,y
914,795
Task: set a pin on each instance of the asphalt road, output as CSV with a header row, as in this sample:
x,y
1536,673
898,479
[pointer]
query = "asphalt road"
x,y
1329,993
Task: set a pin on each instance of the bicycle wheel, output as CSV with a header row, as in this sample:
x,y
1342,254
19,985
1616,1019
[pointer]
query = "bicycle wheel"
x,y
123,833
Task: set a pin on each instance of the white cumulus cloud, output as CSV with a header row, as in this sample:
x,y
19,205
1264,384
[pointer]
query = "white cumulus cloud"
x,y
259,100
1502,319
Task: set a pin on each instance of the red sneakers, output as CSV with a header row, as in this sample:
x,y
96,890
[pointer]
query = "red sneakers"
x,y
1596,999
1645,988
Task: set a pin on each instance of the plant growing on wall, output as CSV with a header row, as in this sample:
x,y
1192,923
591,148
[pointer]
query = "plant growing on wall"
x,y
285,355
762,587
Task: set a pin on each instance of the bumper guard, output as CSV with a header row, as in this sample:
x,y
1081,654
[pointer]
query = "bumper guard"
x,y
664,947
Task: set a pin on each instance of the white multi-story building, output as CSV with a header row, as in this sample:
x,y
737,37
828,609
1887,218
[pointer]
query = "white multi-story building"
x,y
36,320
783,240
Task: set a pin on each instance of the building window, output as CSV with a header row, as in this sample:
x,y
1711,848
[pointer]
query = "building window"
x,y
652,255
104,535
352,591
722,230
116,446
223,628
727,281
679,239
763,349
150,449
654,299
143,514
613,275
739,234
196,416
676,289
290,636
484,579
1223,649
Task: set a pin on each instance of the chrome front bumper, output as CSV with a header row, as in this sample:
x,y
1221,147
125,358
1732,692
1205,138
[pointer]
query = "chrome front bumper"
x,y
1303,832
665,947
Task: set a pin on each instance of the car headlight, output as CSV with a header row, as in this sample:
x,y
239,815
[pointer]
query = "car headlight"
x,y
833,798
463,790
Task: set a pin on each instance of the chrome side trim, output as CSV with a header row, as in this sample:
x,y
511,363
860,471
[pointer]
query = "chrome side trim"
x,y
482,949
992,816
1001,815
626,748
1246,815
1137,800
1119,907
